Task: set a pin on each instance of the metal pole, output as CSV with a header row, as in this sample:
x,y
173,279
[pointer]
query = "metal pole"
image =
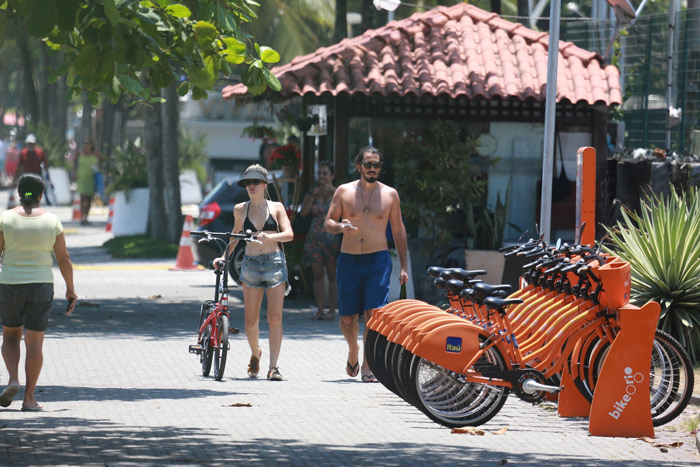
x,y
550,115
669,71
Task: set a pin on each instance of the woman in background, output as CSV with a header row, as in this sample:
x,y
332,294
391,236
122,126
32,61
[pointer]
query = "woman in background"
x,y
86,166
28,237
321,249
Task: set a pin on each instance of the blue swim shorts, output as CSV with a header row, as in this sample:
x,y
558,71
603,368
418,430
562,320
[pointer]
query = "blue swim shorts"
x,y
363,281
264,271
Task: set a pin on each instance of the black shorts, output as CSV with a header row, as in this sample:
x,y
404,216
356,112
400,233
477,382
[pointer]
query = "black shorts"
x,y
26,305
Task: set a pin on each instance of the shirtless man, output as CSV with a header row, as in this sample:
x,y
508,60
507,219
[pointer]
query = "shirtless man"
x,y
364,208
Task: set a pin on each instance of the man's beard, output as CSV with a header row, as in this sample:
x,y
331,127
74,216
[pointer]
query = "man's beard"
x,y
369,178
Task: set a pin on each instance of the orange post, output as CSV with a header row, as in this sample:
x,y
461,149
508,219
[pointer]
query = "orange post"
x,y
185,260
108,227
585,195
621,405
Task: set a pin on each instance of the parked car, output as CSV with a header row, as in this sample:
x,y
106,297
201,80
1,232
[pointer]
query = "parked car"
x,y
216,215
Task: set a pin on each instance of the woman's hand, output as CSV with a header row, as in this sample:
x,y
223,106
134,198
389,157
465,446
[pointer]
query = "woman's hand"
x,y
264,237
218,262
72,299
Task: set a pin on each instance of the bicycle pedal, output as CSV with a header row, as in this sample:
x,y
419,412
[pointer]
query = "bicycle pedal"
x,y
233,331
196,349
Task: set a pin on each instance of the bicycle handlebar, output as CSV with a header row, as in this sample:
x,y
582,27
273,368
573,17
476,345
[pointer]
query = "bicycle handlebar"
x,y
208,236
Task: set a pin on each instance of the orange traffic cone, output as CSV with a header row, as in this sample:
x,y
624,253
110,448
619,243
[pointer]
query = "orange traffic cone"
x,y
77,216
185,260
12,202
108,228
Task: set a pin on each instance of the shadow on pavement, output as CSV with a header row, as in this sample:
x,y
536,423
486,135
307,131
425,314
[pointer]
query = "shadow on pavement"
x,y
101,441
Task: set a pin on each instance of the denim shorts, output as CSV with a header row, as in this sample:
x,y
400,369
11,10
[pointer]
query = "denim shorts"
x,y
26,305
264,271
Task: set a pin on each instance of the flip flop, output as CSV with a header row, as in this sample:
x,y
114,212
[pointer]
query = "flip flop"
x,y
8,395
317,316
369,378
327,317
36,408
352,370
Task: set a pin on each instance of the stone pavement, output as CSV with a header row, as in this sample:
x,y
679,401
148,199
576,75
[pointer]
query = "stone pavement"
x,y
120,388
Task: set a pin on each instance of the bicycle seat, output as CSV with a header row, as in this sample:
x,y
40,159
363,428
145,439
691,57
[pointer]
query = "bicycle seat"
x,y
482,290
464,274
495,303
455,286
436,271
440,283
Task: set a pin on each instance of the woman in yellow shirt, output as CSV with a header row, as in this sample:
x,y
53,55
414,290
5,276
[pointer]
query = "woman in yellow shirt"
x,y
28,237
86,166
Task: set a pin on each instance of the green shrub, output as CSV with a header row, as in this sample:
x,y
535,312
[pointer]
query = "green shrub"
x,y
140,246
127,168
662,245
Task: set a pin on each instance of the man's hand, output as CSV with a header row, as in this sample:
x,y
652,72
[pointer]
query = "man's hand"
x,y
346,226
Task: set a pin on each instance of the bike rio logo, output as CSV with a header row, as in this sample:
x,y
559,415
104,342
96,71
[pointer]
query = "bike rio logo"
x,y
631,383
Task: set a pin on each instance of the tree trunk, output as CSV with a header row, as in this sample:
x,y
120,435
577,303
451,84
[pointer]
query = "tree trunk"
x,y
153,144
31,109
523,13
340,30
171,155
367,16
85,122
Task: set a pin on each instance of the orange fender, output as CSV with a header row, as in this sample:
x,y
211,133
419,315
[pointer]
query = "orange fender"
x,y
401,325
391,320
451,345
381,314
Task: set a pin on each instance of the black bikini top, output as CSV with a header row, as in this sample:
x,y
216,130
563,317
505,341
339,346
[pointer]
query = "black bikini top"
x,y
269,225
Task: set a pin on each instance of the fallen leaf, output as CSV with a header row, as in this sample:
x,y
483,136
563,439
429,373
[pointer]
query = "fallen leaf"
x,y
86,303
502,431
502,461
675,444
470,430
155,296
239,404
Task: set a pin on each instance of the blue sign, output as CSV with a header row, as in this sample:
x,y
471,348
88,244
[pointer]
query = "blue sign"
x,y
453,344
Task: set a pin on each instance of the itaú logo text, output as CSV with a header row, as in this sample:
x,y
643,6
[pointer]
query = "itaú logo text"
x,y
631,382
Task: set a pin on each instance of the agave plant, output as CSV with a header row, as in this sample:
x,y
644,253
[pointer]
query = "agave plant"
x,y
662,245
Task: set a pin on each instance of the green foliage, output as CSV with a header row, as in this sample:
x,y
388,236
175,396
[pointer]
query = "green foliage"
x,y
661,245
485,228
107,44
54,145
127,168
192,153
441,176
140,246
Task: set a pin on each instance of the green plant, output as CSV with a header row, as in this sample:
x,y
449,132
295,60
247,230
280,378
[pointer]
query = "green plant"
x,y
263,132
140,246
661,244
192,153
485,227
127,168
54,145
442,175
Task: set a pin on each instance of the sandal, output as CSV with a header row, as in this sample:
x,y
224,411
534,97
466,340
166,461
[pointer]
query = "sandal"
x,y
352,370
274,374
254,366
318,315
369,378
327,316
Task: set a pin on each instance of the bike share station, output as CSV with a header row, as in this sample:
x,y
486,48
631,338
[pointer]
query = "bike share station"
x,y
583,346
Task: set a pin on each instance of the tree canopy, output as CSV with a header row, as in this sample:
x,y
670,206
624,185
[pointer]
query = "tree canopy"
x,y
108,44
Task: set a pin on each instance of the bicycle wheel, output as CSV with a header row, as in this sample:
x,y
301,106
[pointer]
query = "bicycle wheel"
x,y
207,351
671,380
446,398
671,377
221,349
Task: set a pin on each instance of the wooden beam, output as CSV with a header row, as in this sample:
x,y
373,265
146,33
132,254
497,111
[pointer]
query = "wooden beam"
x,y
340,138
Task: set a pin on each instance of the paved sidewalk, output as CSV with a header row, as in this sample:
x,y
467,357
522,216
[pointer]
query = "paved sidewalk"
x,y
119,387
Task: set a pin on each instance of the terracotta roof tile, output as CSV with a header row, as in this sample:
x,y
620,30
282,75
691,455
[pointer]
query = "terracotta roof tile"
x,y
451,51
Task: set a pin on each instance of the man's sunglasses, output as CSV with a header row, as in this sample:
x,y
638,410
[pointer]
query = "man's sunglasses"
x,y
372,165
251,182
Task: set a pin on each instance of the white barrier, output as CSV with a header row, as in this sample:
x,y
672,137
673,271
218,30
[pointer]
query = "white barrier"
x,y
61,185
190,189
130,212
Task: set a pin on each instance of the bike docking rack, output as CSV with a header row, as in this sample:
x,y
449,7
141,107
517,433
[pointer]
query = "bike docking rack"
x,y
568,335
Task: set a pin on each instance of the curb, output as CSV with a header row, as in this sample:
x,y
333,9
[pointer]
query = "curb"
x,y
695,400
